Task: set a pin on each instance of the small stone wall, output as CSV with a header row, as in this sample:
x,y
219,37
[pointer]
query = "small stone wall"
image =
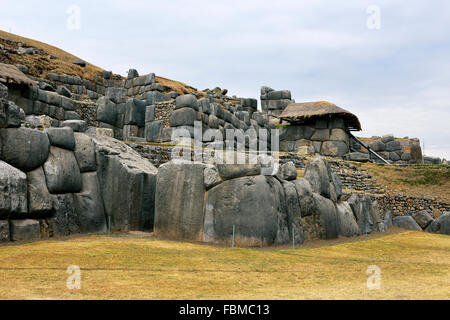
x,y
324,135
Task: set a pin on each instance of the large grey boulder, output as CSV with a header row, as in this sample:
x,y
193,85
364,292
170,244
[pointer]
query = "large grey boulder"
x,y
39,200
61,137
232,171
294,213
393,146
387,220
423,218
116,94
64,220
85,152
377,146
441,225
187,100
154,131
89,205
132,73
15,115
337,184
387,138
76,125
23,148
305,195
406,222
106,111
62,172
25,230
179,200
317,174
334,148
288,171
361,213
358,156
183,117
127,182
13,191
252,204
348,227
328,227
135,112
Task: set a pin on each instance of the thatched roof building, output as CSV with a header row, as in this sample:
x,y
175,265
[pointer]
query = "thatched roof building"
x,y
298,113
10,74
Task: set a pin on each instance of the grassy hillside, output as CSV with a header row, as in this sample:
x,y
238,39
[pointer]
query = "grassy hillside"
x,y
61,62
432,181
414,265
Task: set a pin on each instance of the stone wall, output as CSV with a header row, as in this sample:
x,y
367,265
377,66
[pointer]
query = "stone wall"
x,y
56,182
205,202
326,136
394,150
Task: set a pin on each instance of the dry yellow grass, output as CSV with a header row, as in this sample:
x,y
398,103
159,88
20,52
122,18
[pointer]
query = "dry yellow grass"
x,y
40,65
414,265
418,181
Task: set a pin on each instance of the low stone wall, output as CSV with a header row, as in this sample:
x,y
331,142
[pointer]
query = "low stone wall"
x,y
401,205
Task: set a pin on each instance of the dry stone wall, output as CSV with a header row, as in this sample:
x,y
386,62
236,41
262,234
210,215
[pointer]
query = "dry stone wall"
x,y
57,182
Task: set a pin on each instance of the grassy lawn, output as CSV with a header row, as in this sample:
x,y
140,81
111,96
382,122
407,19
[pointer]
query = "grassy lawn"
x,y
414,265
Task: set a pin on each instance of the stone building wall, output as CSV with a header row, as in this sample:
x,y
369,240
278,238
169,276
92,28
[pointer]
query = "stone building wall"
x,y
325,135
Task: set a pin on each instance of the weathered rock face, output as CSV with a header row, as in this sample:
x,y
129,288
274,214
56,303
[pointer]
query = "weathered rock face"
x,y
179,200
13,192
252,204
328,227
423,218
406,222
357,207
317,174
347,222
61,172
288,171
294,213
85,152
64,220
89,205
306,199
441,225
25,230
23,148
127,182
39,201
231,171
61,137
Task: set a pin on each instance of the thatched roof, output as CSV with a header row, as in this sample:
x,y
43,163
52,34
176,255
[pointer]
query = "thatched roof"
x,y
302,112
10,74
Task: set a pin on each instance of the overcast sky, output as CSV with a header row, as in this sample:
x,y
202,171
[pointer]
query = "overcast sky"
x,y
386,61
